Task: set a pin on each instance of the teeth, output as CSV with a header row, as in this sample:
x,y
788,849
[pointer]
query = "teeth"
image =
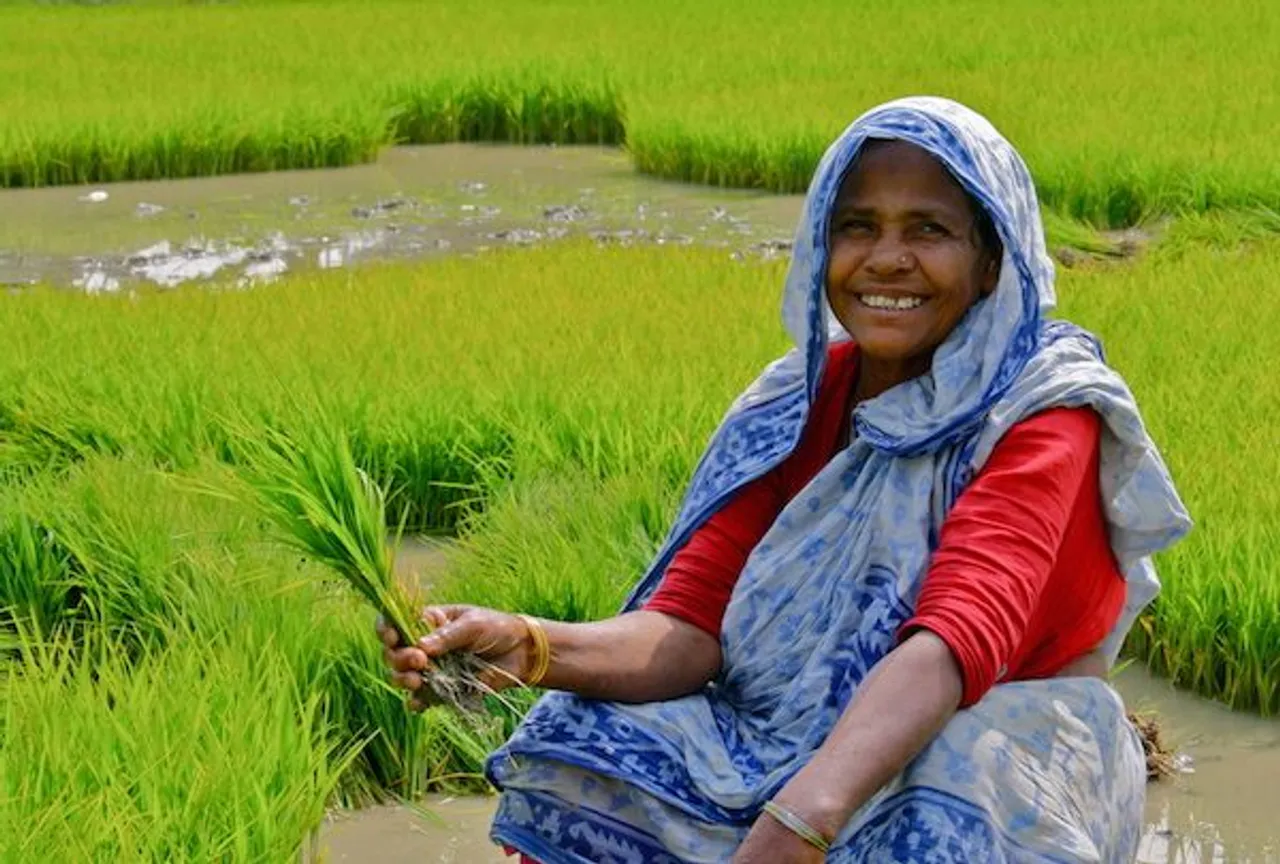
x,y
879,301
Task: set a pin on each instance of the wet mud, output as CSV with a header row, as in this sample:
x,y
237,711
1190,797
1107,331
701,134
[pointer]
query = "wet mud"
x,y
1223,803
455,832
414,202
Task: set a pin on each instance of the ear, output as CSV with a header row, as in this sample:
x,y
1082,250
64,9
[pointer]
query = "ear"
x,y
990,275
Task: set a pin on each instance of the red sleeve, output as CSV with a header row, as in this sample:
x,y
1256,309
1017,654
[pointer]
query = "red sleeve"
x,y
999,543
701,576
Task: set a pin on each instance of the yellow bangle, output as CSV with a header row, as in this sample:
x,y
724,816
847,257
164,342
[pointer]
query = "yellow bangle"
x,y
798,826
541,651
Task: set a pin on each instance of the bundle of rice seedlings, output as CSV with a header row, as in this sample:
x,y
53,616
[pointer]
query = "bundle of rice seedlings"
x,y
332,511
1160,761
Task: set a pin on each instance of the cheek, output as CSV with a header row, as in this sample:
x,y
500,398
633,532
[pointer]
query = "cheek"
x,y
954,276
842,261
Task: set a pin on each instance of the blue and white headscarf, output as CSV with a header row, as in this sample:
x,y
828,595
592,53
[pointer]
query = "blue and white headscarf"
x,y
822,595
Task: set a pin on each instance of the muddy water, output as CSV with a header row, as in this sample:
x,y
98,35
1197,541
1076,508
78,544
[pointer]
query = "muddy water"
x,y
455,832
1227,809
413,202
1221,810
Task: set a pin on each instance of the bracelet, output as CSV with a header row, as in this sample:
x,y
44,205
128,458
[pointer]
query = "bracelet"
x,y
541,651
797,826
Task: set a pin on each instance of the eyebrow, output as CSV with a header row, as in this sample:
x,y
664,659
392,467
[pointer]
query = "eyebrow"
x,y
917,213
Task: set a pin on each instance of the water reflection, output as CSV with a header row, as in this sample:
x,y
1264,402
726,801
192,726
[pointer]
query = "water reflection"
x,y
414,202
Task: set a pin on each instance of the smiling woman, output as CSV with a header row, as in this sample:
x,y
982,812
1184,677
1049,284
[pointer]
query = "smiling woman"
x,y
880,626
911,252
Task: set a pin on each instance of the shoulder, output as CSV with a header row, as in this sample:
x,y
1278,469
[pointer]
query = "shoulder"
x,y
1078,424
1048,443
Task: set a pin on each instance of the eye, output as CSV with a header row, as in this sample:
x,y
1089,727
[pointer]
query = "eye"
x,y
934,229
854,225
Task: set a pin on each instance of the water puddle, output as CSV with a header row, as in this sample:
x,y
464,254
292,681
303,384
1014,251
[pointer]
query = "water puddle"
x,y
1226,810
456,832
413,202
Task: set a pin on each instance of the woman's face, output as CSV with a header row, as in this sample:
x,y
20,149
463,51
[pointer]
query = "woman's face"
x,y
906,259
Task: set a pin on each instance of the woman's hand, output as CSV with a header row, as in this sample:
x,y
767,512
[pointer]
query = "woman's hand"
x,y
498,637
770,843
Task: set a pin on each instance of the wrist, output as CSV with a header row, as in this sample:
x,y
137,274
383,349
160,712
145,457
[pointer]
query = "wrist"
x,y
537,650
823,810
798,826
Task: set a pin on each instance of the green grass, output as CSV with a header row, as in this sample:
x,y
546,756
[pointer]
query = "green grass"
x,y
1123,110
198,753
547,406
501,393
1186,327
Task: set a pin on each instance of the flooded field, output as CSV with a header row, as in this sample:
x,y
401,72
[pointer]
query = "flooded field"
x,y
1225,809
460,199
413,202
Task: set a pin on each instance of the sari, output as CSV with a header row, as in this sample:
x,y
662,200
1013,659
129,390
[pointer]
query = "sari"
x,y
1044,770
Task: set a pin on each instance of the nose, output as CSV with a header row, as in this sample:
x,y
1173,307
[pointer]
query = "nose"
x,y
889,256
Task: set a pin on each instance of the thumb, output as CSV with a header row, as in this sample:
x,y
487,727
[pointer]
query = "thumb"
x,y
438,616
457,634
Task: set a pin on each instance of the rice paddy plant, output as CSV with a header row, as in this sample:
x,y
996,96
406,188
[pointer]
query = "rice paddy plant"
x,y
566,392
195,753
746,93
123,565
401,754
330,510
195,147
1185,326
428,369
525,109
565,546
215,577
37,592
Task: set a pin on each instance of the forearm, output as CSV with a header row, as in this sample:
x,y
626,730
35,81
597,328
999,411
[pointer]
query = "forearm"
x,y
900,707
635,657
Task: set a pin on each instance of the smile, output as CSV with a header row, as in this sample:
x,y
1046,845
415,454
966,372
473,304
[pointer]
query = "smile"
x,y
895,304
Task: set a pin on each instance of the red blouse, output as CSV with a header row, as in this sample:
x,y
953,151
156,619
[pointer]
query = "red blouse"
x,y
1023,580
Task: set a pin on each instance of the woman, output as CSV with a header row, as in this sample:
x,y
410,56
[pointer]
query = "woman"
x,y
879,626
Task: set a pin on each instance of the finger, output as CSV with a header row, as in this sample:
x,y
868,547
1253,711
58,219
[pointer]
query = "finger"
x,y
459,634
389,637
408,660
438,616
410,681
393,658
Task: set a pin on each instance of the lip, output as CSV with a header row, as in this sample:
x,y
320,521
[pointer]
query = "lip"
x,y
894,294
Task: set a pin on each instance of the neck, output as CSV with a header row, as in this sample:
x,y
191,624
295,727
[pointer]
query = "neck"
x,y
877,376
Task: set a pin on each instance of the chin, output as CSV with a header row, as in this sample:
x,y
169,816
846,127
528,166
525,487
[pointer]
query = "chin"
x,y
886,350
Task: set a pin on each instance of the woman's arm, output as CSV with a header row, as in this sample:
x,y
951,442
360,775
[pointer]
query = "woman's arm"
x,y
636,657
639,656
898,709
669,648
997,550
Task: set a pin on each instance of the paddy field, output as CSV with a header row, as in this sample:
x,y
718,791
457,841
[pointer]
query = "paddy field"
x,y
180,686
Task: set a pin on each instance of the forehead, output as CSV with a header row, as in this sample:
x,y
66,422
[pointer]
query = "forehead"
x,y
898,170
